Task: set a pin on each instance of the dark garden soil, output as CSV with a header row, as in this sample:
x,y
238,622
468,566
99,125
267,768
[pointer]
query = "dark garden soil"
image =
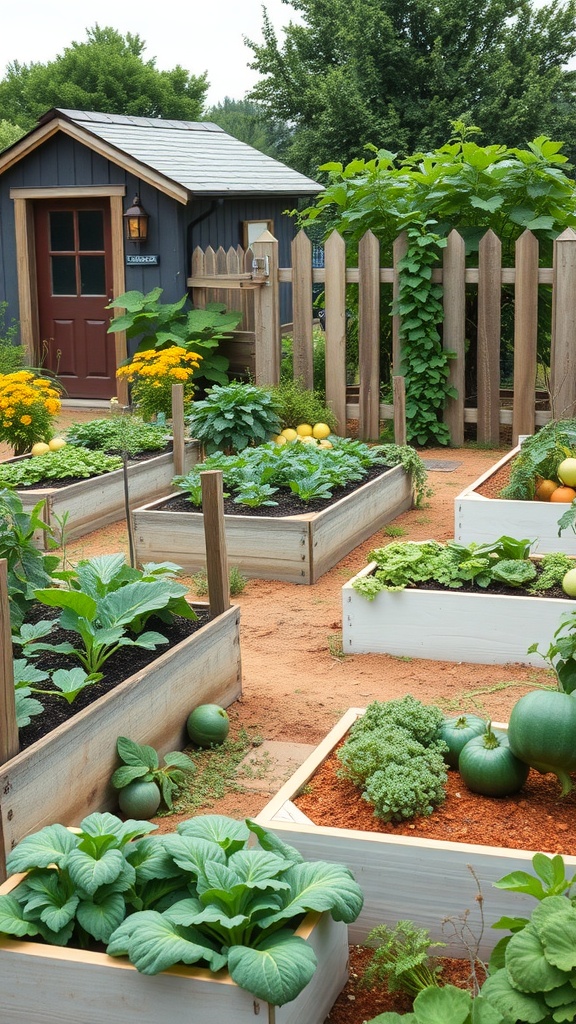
x,y
119,667
67,481
287,504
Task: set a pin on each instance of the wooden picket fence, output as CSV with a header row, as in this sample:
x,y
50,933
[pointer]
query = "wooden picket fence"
x,y
250,281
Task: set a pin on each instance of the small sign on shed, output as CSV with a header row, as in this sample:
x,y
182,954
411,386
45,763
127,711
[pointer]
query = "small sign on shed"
x,y
141,260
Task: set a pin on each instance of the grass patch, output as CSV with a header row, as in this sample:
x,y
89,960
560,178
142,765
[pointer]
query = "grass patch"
x,y
236,580
394,531
216,773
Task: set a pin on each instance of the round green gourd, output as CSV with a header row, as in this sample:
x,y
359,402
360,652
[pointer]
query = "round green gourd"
x,y
542,732
139,799
208,725
455,732
488,766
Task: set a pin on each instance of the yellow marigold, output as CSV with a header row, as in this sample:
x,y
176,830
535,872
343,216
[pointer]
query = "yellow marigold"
x,y
53,406
9,411
26,420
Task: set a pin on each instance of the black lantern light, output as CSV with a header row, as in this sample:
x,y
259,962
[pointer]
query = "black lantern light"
x,y
136,221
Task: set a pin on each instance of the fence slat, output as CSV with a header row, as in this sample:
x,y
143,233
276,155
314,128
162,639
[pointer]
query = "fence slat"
x,y
302,344
454,332
489,298
525,334
369,337
9,745
267,314
335,293
563,347
399,249
399,399
198,270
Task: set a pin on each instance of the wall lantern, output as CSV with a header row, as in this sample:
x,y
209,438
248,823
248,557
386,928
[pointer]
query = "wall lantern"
x,y
136,221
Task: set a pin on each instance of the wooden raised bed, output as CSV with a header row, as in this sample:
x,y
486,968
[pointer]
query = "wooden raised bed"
x,y
448,625
295,549
96,502
41,984
478,518
424,880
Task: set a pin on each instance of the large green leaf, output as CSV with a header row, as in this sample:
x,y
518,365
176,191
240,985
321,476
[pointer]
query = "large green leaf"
x,y
50,845
89,874
526,963
216,828
12,920
192,854
102,918
512,1004
136,754
105,824
151,860
555,922
440,1005
277,970
153,943
121,607
82,604
191,912
319,886
50,899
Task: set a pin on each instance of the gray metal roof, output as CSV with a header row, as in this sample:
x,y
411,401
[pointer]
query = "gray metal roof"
x,y
199,156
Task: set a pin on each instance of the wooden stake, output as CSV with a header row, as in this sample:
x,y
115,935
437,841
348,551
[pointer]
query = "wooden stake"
x,y
215,536
399,399
9,745
178,429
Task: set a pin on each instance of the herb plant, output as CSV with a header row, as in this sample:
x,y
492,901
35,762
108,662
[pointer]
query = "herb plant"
x,y
142,762
296,404
234,416
68,463
401,959
117,434
200,896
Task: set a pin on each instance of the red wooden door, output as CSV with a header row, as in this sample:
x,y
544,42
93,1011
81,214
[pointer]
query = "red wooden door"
x,y
74,274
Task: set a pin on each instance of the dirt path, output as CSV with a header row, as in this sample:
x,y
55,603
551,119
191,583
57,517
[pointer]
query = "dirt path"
x,y
297,682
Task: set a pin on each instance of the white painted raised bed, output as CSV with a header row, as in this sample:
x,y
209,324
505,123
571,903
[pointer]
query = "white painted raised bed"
x,y
98,501
66,775
481,519
42,984
448,625
423,880
296,549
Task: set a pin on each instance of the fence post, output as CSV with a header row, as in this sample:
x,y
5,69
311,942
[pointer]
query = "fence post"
x,y
9,745
563,345
369,337
489,299
399,399
302,344
399,250
454,332
267,314
178,429
335,325
525,335
215,537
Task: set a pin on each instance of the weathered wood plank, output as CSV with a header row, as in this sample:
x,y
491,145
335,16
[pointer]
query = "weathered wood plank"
x,y
563,345
399,407
267,314
369,337
454,332
525,334
489,300
399,250
302,351
9,745
335,324
215,537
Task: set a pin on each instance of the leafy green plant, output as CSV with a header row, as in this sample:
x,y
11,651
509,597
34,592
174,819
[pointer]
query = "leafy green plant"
x,y
200,896
539,457
440,1005
310,486
401,959
27,707
161,324
28,567
12,356
297,404
68,463
236,580
234,416
142,762
117,434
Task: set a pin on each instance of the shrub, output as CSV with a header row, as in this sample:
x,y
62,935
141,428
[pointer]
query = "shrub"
x,y
296,404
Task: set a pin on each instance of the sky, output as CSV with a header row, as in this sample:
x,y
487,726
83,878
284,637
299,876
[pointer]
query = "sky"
x,y
201,36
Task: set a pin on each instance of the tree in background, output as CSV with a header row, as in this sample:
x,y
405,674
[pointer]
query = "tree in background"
x,y
251,123
108,73
395,73
9,133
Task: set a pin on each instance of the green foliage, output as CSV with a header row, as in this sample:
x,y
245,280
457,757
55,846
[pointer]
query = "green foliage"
x,y
107,599
250,123
296,404
142,762
236,580
67,463
407,563
9,133
318,362
359,71
561,652
533,970
393,754
440,1005
105,72
118,434
28,567
234,416
198,896
11,354
162,324
553,568
539,456
401,960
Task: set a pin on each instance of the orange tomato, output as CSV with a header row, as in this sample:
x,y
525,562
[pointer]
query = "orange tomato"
x,y
566,494
545,490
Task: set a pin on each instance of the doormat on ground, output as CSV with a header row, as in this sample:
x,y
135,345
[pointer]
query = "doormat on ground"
x,y
441,465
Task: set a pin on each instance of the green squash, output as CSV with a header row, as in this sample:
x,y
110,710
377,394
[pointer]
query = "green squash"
x,y
139,800
542,732
455,733
208,725
488,766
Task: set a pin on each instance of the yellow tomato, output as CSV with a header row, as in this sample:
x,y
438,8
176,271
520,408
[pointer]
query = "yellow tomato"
x,y
304,429
280,439
40,448
289,434
320,430
56,444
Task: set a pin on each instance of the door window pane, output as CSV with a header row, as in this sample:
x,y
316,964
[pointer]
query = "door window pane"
x,y
90,230
63,275
62,231
92,275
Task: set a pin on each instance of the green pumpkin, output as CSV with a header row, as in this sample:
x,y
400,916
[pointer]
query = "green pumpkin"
x,y
455,733
208,725
488,766
139,799
542,732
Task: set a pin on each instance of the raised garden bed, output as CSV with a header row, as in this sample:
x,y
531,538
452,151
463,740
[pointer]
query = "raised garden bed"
x,y
403,876
66,774
42,983
96,502
480,515
449,625
294,548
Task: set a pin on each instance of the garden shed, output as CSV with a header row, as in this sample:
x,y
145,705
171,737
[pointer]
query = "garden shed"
x,y
65,191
